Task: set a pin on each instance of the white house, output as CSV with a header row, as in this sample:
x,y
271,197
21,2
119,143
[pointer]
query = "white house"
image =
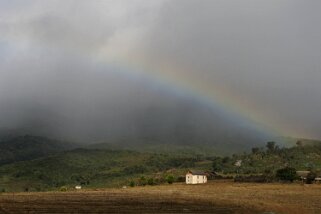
x,y
196,177
302,174
238,163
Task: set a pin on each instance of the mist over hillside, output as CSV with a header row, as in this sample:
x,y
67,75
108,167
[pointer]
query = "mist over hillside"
x,y
22,148
231,75
144,116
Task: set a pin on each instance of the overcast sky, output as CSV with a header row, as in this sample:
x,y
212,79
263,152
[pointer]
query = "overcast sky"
x,y
89,66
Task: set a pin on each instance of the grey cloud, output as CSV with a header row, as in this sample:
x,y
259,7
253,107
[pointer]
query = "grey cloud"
x,y
263,52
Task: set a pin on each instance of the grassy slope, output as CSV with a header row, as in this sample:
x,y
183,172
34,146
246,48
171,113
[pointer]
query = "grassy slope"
x,y
94,168
104,167
13,149
186,150
291,141
300,157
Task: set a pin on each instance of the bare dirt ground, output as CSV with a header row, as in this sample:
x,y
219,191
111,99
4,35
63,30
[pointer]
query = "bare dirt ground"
x,y
214,197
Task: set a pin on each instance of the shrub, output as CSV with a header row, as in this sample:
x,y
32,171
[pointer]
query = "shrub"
x,y
142,181
225,160
310,177
270,146
255,150
63,189
216,166
286,174
170,179
150,181
132,183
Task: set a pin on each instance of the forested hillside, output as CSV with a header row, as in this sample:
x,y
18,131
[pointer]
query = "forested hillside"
x,y
20,148
31,163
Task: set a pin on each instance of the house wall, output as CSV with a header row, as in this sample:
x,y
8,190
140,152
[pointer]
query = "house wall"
x,y
189,178
195,179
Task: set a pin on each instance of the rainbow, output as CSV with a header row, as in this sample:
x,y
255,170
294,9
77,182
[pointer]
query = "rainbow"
x,y
168,80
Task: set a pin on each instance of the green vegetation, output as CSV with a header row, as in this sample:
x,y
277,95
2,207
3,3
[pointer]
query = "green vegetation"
x,y
271,159
51,166
94,168
152,146
170,179
286,174
132,183
63,189
13,149
310,177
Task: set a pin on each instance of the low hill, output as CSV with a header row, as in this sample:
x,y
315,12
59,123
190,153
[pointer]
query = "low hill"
x,y
91,167
260,160
45,164
20,148
201,148
292,141
152,146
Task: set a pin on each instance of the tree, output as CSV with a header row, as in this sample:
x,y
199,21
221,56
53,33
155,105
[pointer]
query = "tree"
x,y
311,177
255,150
217,164
170,179
299,143
150,181
225,159
270,146
142,181
132,183
286,174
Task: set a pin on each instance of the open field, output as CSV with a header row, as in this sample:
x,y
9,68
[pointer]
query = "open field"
x,y
214,197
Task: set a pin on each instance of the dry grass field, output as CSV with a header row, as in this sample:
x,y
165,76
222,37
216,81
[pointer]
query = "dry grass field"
x,y
214,197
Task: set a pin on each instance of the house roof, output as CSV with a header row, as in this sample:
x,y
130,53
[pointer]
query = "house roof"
x,y
302,173
210,173
196,172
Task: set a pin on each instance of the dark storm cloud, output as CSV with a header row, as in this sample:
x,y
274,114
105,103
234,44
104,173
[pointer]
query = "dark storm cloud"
x,y
53,81
264,53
